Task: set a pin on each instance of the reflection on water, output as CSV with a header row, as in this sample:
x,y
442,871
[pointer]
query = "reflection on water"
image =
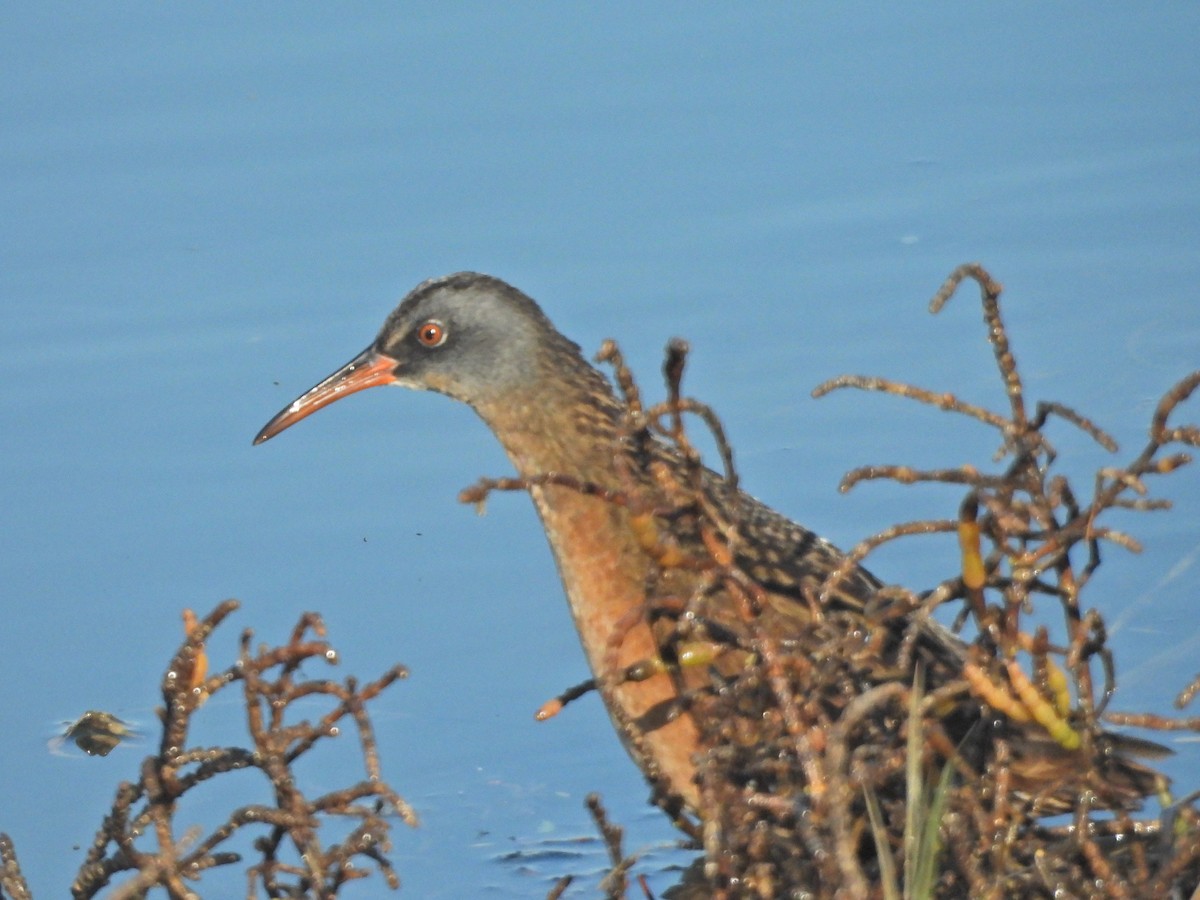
x,y
585,858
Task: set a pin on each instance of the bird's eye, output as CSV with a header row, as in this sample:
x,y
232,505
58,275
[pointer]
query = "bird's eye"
x,y
431,333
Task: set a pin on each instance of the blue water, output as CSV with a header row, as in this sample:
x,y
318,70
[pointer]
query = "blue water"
x,y
208,208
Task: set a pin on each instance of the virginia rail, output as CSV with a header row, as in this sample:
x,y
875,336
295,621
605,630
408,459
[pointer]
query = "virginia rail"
x,y
482,341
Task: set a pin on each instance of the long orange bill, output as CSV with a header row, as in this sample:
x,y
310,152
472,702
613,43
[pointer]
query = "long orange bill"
x,y
369,369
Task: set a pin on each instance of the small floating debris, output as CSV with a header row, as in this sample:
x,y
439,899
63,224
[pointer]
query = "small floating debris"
x,y
96,733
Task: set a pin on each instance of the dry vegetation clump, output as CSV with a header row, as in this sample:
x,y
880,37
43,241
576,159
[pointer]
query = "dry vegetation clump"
x,y
303,846
861,750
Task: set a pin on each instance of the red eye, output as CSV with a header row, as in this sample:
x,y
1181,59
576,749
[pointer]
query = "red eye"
x,y
431,334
